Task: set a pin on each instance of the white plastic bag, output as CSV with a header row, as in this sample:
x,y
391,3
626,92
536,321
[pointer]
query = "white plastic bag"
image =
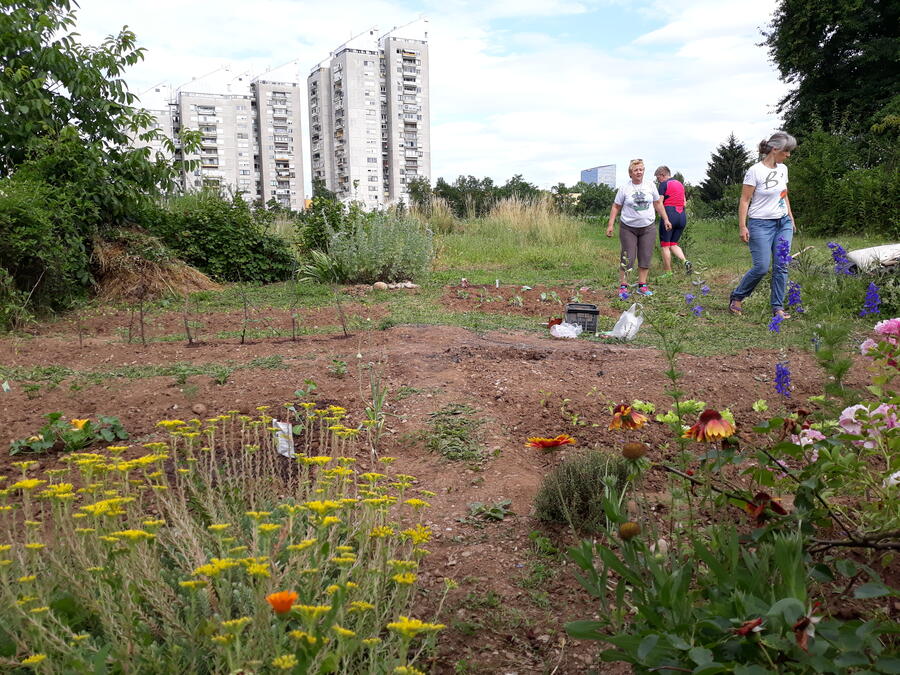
x,y
284,438
565,330
629,323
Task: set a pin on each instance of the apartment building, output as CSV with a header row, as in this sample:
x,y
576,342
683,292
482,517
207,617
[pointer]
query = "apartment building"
x,y
369,118
250,144
604,174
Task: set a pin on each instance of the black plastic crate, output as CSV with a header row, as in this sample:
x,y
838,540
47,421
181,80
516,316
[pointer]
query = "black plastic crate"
x,y
582,314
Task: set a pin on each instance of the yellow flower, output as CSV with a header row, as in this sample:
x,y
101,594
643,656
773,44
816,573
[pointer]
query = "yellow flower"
x,y
381,531
403,564
419,534
258,570
79,424
94,570
153,523
291,509
327,521
285,662
32,523
312,612
360,606
372,477
107,507
318,460
236,625
344,560
269,527
306,543
304,636
193,583
259,515
224,639
5,547
417,503
134,535
25,465
343,632
214,567
322,507
34,546
218,527
170,424
27,579
407,670
5,562
85,530
39,610
405,579
27,484
409,627
117,448
236,549
34,659
6,508
370,642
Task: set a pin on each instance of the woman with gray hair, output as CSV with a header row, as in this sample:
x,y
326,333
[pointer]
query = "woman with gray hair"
x,y
766,222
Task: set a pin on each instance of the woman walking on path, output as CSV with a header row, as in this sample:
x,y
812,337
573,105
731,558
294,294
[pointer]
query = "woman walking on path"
x,y
635,202
766,222
672,193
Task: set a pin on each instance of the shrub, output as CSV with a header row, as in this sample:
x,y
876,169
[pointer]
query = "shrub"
x,y
323,216
224,239
386,246
573,492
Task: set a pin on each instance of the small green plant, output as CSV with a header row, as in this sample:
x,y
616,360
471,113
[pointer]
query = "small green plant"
x,y
495,512
550,296
516,301
337,367
221,373
69,435
309,389
453,432
487,600
574,492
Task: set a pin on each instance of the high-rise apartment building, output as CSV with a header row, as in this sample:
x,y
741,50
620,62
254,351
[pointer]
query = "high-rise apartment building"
x,y
369,118
604,174
250,144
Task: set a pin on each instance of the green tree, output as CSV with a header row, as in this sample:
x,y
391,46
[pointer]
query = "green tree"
x,y
842,58
419,190
727,166
519,188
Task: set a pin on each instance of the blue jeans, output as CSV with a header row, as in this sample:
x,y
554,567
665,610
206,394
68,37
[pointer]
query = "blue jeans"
x,y
764,236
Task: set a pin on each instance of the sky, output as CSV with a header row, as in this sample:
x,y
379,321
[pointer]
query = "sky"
x,y
541,88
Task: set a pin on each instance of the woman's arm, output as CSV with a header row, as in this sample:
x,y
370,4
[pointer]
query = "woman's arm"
x,y
614,211
790,213
743,206
661,210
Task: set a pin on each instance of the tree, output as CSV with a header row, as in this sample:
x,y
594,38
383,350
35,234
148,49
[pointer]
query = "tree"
x,y
843,58
727,166
519,188
419,190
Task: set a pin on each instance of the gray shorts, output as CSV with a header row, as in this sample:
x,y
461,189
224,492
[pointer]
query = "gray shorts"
x,y
637,242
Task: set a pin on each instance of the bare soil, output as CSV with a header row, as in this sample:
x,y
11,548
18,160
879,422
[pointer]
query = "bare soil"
x,y
516,381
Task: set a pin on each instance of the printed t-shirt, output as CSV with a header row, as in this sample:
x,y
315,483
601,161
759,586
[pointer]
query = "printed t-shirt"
x,y
769,200
672,192
637,204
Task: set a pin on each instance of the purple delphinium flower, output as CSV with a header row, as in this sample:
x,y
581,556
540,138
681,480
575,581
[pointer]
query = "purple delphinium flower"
x,y
775,323
697,310
842,263
783,252
704,289
873,300
783,379
794,300
688,298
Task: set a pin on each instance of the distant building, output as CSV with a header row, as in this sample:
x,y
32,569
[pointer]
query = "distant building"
x,y
250,144
604,174
369,118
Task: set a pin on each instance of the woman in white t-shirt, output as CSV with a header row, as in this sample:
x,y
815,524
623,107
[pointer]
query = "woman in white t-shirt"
x,y
636,201
766,223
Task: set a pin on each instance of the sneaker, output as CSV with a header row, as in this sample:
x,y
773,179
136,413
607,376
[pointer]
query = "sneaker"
x,y
623,292
688,267
643,290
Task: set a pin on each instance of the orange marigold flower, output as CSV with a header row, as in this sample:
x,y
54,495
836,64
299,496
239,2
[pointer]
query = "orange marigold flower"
x,y
710,427
282,601
540,442
625,417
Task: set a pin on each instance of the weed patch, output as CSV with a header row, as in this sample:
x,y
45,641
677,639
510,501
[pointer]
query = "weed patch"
x,y
454,433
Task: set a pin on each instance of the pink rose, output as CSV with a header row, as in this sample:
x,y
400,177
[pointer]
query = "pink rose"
x,y
888,327
867,346
849,421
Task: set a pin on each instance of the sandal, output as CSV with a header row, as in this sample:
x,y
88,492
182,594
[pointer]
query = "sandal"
x,y
735,308
781,313
644,290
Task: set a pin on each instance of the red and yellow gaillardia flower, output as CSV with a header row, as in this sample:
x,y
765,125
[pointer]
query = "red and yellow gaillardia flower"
x,y
711,427
625,417
546,443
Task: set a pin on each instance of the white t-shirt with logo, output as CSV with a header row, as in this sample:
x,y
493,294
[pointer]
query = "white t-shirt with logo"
x,y
769,200
637,204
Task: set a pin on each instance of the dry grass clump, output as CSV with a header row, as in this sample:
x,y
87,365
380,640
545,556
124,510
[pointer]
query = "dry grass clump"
x,y
537,220
438,214
133,265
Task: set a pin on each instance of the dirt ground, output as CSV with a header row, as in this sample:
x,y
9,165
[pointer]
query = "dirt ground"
x,y
516,381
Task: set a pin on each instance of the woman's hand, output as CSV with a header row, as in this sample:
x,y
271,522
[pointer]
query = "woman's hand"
x,y
609,231
745,234
667,225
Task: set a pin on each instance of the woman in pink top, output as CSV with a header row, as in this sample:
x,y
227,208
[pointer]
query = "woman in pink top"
x,y
672,192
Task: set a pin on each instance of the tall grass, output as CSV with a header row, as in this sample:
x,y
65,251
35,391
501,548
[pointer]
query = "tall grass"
x,y
437,214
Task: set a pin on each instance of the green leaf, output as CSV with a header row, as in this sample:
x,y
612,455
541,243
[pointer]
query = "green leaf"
x,y
709,669
871,590
586,630
678,642
701,655
790,608
646,646
889,665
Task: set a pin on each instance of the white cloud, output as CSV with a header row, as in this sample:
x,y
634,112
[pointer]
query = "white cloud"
x,y
510,92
